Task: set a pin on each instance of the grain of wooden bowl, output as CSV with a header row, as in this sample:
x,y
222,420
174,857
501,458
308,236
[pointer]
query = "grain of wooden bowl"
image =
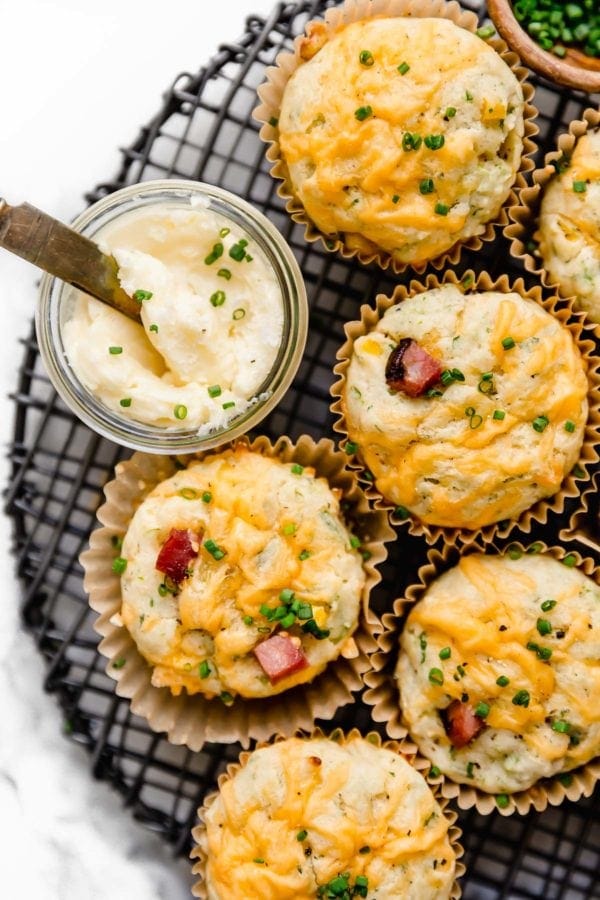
x,y
575,70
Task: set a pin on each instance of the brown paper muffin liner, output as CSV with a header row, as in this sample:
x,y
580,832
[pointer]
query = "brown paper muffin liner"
x,y
382,693
522,230
403,747
336,18
576,483
193,719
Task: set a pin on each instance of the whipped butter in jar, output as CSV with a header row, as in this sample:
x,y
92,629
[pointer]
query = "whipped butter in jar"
x,y
223,320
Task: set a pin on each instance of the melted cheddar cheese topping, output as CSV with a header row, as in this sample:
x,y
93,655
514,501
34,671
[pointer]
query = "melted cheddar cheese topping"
x,y
302,812
569,225
534,624
276,527
483,448
409,149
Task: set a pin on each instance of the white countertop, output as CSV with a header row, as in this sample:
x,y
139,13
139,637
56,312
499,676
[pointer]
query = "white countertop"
x,y
77,81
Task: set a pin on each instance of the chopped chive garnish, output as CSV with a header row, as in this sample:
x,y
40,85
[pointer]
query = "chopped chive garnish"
x,y
119,565
403,68
426,186
508,343
238,313
302,835
248,620
153,328
540,423
238,251
547,605
363,112
566,779
204,669
350,447
259,860
140,296
214,390
395,198
224,232
502,681
288,620
116,541
521,698
580,187
215,253
436,676
434,141
297,469
355,542
499,414
125,401
188,493
180,411
570,427
114,351
274,121
218,298
445,653
450,375
206,496
290,528
401,512
569,560
365,849
286,596
482,710
215,551
366,58
502,801
119,663
450,112
486,31
224,273
515,552
226,698
468,96
229,404
435,772
411,141
543,626
304,554
441,209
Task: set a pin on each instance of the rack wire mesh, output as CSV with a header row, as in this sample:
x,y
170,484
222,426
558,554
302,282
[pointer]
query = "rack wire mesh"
x,y
204,131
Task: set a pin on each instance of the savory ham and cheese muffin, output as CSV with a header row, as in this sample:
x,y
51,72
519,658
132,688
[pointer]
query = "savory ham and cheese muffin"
x,y
240,576
498,670
569,225
401,135
315,818
466,408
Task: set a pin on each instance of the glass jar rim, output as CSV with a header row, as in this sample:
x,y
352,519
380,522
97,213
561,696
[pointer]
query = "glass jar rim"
x,y
139,436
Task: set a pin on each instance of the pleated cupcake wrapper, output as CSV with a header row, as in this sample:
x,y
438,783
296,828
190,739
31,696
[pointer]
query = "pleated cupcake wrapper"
x,y
582,334
192,719
383,696
403,747
337,18
524,215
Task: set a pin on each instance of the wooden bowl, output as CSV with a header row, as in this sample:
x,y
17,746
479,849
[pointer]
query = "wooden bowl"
x,y
575,70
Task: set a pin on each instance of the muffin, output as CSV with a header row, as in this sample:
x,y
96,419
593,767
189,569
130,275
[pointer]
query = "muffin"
x,y
498,670
569,225
240,576
466,408
391,153
312,817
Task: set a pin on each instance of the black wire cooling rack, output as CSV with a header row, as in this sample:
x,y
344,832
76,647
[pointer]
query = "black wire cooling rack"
x,y
205,131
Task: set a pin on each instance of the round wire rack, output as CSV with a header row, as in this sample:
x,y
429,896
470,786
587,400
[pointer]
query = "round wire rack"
x,y
204,131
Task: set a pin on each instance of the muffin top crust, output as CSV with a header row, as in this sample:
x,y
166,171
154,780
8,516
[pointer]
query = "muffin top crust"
x,y
498,670
303,816
241,576
401,134
497,426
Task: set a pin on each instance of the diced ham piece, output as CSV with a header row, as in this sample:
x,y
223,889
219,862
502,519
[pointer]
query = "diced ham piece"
x,y
177,552
461,723
279,657
411,369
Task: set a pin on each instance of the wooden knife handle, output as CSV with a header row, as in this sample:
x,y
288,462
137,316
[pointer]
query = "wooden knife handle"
x,y
65,253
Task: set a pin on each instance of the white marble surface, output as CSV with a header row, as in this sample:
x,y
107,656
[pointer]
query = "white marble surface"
x,y
76,82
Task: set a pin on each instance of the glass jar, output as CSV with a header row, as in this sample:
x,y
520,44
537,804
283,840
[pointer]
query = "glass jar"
x,y
57,301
